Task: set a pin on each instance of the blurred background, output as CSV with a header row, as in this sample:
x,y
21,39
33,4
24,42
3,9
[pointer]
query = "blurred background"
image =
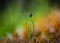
x,y
15,12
